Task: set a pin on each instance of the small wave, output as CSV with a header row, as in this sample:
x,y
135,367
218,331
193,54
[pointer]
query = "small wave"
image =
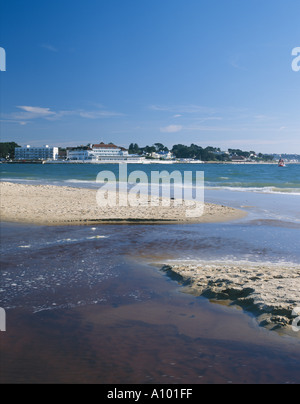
x,y
74,181
264,190
97,237
229,262
19,180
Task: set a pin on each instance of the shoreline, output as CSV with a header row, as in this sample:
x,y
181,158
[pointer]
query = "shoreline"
x,y
61,205
269,291
149,162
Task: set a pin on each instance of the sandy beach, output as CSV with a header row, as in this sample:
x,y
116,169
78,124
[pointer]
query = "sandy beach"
x,y
60,205
268,290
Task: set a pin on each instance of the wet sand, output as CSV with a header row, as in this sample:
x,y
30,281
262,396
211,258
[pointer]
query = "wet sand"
x,y
58,205
146,332
270,291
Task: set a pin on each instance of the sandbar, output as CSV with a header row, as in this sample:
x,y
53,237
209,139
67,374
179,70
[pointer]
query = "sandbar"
x,y
62,205
271,291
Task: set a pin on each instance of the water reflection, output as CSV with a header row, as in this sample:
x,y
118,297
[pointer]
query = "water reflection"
x,y
91,310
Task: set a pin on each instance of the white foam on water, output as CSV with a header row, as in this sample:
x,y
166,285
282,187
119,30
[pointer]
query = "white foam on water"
x,y
264,190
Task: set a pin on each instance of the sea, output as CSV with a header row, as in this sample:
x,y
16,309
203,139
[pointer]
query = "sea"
x,y
90,304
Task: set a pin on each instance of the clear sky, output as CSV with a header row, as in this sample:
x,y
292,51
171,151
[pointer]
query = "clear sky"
x,y
210,72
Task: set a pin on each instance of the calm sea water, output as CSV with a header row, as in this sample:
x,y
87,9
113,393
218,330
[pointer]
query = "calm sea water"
x,y
85,304
254,178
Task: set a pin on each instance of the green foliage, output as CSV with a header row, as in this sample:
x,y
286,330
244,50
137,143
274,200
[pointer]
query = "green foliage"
x,y
156,148
197,152
181,151
7,150
240,153
160,147
134,148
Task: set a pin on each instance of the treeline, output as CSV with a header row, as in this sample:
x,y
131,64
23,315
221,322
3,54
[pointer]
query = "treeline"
x,y
156,148
181,151
196,152
7,150
199,153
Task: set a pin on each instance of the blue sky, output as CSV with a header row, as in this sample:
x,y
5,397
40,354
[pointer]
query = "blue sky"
x,y
210,72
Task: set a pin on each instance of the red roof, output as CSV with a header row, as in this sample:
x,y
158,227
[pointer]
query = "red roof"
x,y
107,146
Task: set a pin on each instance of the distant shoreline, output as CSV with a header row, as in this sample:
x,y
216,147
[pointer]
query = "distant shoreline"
x,y
151,162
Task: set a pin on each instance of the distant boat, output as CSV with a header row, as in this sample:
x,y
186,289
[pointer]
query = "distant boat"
x,y
281,163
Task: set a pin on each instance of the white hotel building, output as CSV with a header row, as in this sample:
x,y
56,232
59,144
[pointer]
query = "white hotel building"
x,y
101,153
36,153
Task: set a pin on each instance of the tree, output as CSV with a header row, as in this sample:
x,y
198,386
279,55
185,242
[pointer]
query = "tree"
x,y
181,151
208,154
160,147
134,148
268,157
149,149
239,152
7,150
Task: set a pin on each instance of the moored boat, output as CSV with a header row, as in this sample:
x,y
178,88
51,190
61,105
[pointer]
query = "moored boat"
x,y
281,163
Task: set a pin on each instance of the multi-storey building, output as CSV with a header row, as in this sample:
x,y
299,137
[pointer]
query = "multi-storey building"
x,y
36,153
97,153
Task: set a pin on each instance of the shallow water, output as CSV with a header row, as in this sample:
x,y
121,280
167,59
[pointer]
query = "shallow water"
x,y
84,305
